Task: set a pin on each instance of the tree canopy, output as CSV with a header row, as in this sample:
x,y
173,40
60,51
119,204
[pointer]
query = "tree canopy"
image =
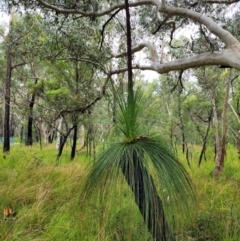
x,y
155,21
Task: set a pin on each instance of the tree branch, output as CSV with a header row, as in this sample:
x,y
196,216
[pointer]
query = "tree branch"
x,y
82,110
105,24
153,52
230,56
234,112
228,2
213,27
209,58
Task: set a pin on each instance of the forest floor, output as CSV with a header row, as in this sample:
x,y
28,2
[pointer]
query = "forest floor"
x,y
48,202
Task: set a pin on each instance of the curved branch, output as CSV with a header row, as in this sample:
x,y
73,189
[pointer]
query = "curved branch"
x,y
227,57
105,24
209,58
153,51
213,27
96,14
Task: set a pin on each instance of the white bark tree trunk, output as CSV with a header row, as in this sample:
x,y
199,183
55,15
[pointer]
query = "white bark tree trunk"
x,y
221,145
59,133
81,135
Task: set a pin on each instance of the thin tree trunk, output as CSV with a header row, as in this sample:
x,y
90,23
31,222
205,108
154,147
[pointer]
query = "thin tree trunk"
x,y
204,146
181,125
217,142
22,134
74,145
221,148
6,142
12,126
38,130
62,143
237,135
29,137
58,142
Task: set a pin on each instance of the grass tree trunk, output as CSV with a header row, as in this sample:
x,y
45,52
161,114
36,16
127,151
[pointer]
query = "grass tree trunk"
x,y
146,198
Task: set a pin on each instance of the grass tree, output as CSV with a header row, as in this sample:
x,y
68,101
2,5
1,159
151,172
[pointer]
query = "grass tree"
x,y
144,161
150,169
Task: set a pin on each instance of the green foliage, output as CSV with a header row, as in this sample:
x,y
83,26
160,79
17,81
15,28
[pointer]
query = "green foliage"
x,y
58,93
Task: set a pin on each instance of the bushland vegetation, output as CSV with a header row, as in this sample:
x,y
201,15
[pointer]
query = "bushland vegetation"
x,y
50,203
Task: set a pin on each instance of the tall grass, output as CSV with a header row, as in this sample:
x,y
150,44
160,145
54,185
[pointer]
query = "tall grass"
x,y
51,206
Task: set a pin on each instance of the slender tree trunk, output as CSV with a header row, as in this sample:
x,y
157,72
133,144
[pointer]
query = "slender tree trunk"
x,y
74,145
81,136
237,135
181,125
58,142
62,143
6,143
39,136
204,145
21,134
221,148
29,137
12,126
1,125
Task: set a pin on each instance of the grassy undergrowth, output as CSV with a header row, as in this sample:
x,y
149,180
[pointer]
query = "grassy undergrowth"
x,y
51,205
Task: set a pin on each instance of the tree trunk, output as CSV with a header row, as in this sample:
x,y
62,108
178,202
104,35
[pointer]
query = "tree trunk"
x,y
58,143
146,198
62,143
237,135
81,137
221,148
29,136
73,152
204,145
38,135
21,134
12,126
181,125
6,143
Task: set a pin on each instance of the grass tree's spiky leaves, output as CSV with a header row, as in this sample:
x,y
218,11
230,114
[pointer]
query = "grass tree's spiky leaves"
x,y
128,113
149,168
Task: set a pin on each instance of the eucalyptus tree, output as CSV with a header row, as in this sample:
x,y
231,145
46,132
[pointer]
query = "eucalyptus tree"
x,y
27,50
14,60
163,15
199,109
75,79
